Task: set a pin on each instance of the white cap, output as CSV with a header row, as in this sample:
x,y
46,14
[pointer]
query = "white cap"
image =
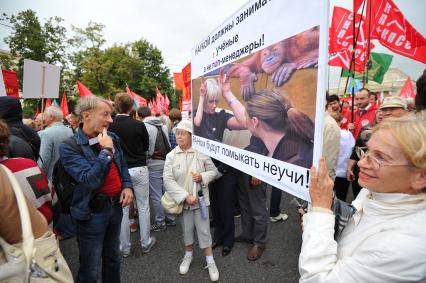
x,y
185,125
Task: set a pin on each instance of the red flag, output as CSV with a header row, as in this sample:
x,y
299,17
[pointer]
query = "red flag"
x,y
159,97
341,40
37,112
178,81
64,105
407,90
11,83
167,101
186,75
357,4
83,90
154,107
393,31
138,99
48,103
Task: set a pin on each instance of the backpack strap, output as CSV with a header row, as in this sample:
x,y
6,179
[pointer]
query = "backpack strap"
x,y
71,141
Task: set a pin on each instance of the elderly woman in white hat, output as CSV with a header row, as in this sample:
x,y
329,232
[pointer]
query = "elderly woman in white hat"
x,y
186,172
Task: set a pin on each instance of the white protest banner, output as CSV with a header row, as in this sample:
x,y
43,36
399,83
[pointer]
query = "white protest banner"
x,y
40,80
259,84
2,87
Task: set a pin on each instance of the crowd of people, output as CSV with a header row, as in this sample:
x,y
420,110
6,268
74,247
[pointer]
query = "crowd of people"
x,y
123,160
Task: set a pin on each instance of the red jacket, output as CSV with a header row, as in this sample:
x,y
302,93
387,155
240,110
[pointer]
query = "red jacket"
x,y
367,118
346,118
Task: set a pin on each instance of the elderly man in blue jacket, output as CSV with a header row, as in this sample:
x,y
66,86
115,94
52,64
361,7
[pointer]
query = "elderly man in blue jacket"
x,y
103,188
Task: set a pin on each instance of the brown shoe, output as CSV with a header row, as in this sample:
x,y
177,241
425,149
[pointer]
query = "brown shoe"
x,y
255,252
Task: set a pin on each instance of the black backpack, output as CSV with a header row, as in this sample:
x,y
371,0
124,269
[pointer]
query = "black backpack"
x,y
63,183
162,145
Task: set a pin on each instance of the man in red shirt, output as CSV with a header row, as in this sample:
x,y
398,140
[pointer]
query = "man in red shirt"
x,y
365,113
103,187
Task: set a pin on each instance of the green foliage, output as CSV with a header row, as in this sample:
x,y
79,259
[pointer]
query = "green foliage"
x,y
105,71
32,40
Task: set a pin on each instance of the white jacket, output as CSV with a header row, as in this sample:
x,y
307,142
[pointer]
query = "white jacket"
x,y
385,241
176,168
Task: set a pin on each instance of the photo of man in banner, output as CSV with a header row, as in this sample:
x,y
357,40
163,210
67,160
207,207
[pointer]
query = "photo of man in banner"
x,y
269,100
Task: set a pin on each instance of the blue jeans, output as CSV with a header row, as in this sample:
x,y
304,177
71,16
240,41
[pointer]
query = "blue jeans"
x,y
99,240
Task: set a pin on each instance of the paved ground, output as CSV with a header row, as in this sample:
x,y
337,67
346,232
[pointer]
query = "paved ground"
x,y
278,263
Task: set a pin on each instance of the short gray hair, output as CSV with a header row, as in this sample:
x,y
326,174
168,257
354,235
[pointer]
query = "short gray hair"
x,y
88,103
55,112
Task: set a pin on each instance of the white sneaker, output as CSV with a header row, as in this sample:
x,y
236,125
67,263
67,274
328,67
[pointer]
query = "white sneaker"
x,y
213,272
184,266
279,217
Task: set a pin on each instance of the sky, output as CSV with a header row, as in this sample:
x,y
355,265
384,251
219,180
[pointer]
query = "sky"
x,y
175,27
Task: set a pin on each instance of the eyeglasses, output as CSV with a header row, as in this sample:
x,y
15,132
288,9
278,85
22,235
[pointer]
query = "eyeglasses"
x,y
362,151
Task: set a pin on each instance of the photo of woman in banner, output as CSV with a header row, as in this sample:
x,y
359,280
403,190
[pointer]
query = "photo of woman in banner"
x,y
279,130
211,124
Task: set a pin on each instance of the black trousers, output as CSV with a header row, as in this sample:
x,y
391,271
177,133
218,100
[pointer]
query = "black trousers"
x,y
222,203
341,186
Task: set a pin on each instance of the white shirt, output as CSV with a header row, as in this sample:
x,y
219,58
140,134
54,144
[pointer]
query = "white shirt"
x,y
347,143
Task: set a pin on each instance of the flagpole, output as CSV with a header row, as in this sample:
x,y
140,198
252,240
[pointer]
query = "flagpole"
x,y
368,42
354,42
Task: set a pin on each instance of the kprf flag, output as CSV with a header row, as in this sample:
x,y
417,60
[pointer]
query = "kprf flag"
x,y
83,90
341,40
380,63
64,105
11,83
407,90
394,32
186,76
167,101
357,4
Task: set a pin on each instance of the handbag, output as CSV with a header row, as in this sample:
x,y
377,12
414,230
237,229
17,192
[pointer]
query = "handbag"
x,y
32,260
168,202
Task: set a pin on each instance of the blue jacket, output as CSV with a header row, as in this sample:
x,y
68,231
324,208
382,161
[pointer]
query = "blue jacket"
x,y
89,170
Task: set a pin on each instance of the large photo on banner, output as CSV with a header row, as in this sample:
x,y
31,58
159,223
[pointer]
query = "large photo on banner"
x,y
258,84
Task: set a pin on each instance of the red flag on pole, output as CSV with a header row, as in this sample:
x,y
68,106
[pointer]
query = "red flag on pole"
x,y
83,90
167,101
357,4
341,40
11,83
64,105
48,103
37,112
137,98
178,81
407,90
394,32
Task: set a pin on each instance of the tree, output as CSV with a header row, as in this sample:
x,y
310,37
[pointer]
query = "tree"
x,y
154,73
32,40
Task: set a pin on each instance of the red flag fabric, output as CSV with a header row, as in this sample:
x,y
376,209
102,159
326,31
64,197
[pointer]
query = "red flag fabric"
x,y
37,112
137,98
394,32
154,107
64,105
167,101
178,81
341,40
357,4
186,75
48,104
11,83
83,90
159,97
407,90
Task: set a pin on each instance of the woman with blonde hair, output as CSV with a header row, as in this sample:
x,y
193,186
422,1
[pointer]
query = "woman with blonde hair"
x,y
384,240
187,174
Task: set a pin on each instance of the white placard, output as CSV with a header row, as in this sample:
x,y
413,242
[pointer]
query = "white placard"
x,y
242,45
34,79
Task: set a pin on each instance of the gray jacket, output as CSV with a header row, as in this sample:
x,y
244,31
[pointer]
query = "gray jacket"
x,y
176,169
152,132
51,138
